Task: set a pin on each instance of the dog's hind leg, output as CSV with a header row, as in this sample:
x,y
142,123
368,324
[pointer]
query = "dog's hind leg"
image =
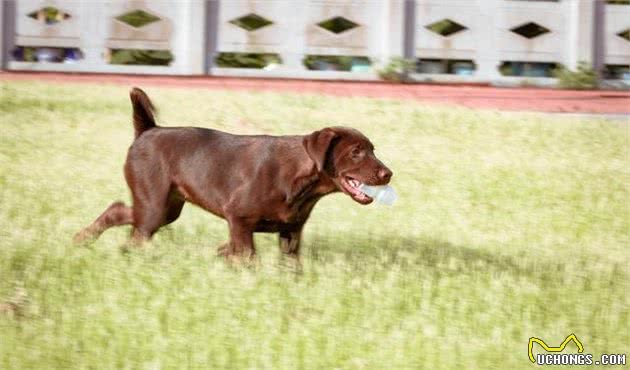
x,y
152,212
148,218
115,215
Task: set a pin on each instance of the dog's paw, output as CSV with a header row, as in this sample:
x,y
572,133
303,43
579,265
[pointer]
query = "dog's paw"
x,y
223,249
82,238
291,262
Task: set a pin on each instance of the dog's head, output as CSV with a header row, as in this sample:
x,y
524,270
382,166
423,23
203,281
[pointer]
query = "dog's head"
x,y
347,157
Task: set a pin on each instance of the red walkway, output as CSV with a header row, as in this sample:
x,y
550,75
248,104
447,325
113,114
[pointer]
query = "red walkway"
x,y
512,99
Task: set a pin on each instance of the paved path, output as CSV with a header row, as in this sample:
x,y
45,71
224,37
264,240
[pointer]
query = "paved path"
x,y
509,99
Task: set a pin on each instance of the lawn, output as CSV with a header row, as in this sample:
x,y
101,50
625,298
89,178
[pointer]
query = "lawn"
x,y
508,226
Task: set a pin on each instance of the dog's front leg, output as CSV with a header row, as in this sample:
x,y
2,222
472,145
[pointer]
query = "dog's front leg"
x,y
241,243
290,243
290,246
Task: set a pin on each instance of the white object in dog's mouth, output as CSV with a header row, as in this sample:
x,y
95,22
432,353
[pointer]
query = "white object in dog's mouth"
x,y
351,186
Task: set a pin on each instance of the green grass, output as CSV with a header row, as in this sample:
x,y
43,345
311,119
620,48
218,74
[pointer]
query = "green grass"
x,y
508,226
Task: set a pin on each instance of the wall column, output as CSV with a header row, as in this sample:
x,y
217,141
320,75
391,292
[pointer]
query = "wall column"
x,y
7,31
599,39
409,29
488,58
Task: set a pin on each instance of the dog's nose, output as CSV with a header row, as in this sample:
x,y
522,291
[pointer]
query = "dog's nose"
x,y
384,174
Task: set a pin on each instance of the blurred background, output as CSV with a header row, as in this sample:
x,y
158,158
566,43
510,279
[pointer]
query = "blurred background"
x,y
513,215
504,42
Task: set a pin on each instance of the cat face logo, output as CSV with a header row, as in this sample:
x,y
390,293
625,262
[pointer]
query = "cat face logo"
x,y
560,348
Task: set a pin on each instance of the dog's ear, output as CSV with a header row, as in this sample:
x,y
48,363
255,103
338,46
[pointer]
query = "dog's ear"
x,y
317,146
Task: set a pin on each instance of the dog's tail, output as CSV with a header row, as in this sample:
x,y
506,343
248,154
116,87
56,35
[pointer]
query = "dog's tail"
x,y
142,111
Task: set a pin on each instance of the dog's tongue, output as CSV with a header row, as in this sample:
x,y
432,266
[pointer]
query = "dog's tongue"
x,y
361,196
358,194
354,189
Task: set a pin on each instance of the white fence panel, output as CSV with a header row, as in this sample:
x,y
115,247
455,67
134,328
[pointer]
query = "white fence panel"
x,y
617,21
272,38
156,35
373,31
95,27
459,45
547,47
478,31
32,29
354,41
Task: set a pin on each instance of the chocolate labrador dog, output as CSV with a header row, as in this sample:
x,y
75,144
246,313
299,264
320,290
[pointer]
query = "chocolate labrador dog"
x,y
258,183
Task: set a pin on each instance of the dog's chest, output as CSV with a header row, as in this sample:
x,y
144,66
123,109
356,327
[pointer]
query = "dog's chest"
x,y
288,217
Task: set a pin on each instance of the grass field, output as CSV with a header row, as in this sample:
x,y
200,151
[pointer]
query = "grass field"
x,y
507,227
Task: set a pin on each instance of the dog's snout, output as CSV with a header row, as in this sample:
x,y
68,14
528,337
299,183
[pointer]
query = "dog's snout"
x,y
384,174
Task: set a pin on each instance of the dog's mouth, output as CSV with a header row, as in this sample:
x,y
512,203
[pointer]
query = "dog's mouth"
x,y
350,186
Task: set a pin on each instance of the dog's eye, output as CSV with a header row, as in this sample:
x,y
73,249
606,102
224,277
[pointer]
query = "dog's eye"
x,y
356,152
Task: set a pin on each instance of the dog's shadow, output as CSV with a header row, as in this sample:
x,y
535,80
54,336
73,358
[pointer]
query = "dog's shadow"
x,y
364,251
428,254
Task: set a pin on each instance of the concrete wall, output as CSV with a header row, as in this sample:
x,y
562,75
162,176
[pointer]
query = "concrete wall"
x,y
183,28
489,41
617,49
92,27
295,33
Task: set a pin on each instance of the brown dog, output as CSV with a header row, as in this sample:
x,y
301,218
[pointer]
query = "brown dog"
x,y
258,183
